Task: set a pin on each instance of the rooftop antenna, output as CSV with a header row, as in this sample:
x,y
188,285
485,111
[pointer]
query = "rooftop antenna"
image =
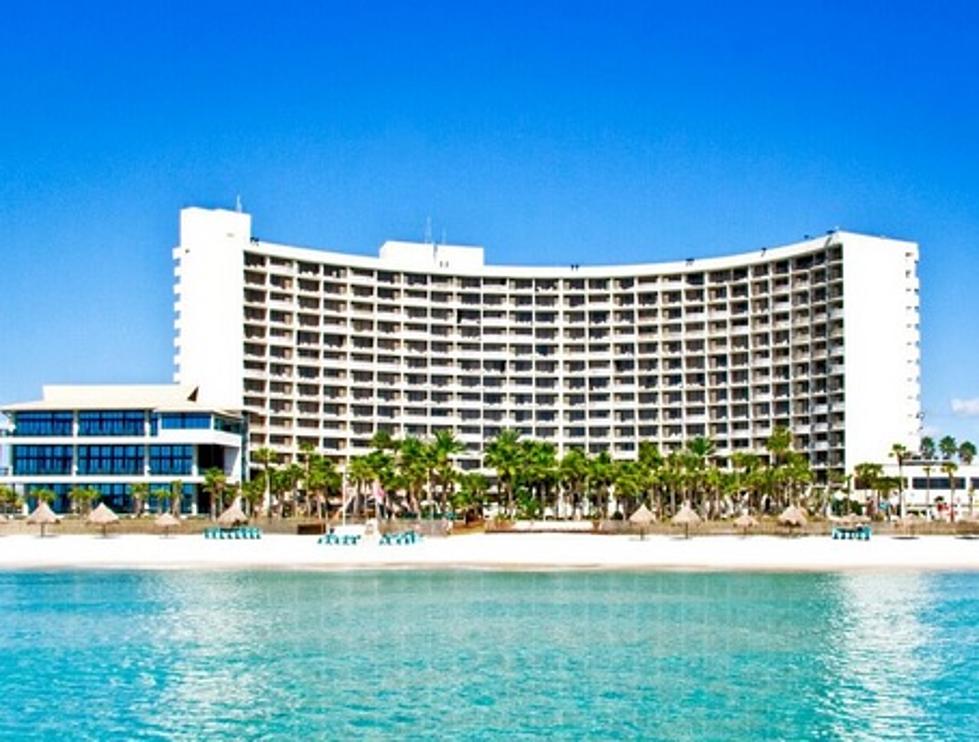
x,y
238,203
428,230
444,242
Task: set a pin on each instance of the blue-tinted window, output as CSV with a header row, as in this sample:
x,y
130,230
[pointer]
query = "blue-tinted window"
x,y
936,483
109,422
229,426
110,459
42,460
42,423
171,459
185,421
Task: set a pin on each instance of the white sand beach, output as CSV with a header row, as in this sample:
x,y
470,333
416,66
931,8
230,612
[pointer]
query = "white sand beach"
x,y
492,551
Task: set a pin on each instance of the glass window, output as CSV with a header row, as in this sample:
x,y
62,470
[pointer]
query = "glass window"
x,y
171,459
42,460
111,422
42,423
185,421
110,459
229,426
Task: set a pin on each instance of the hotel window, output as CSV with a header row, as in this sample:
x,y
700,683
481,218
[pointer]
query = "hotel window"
x,y
110,459
188,420
42,423
111,423
171,459
42,460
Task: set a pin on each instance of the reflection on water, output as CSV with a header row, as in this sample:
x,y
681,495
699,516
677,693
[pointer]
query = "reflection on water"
x,y
418,655
880,660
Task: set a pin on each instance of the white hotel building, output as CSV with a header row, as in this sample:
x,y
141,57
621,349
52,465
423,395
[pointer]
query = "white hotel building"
x,y
328,347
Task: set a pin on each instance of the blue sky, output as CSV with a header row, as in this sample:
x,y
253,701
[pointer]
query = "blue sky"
x,y
560,132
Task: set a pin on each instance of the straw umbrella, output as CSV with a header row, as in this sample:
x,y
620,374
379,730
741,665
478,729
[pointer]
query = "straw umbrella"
x,y
793,517
642,518
166,521
43,516
103,517
744,522
232,516
686,517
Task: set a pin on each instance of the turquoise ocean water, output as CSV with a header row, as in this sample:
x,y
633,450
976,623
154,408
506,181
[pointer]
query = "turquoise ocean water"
x,y
483,655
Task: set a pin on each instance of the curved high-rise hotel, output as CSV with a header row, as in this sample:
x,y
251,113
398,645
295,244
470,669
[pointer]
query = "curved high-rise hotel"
x,y
328,347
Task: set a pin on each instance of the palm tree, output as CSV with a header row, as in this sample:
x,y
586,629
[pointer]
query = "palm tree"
x,y
539,470
601,474
950,467
360,473
8,498
140,492
412,469
82,498
266,457
650,463
382,440
572,474
967,452
696,461
628,483
926,450
252,493
867,476
471,494
321,477
215,483
441,450
948,447
744,465
900,452
673,477
176,495
779,446
294,474
503,455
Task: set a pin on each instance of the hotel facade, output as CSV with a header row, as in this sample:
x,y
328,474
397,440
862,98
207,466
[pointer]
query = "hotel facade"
x,y
326,348
110,437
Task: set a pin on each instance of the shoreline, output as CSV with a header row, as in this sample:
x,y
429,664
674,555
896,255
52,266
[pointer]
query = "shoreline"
x,y
492,552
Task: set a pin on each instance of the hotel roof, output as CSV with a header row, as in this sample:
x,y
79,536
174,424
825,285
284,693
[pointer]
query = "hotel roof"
x,y
157,397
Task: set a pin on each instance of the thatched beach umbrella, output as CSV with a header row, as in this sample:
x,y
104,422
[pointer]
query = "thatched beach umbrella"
x,y
745,521
793,517
166,522
103,517
686,517
43,516
642,518
232,516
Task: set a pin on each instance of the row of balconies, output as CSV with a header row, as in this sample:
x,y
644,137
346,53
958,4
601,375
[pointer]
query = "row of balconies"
x,y
284,310
521,288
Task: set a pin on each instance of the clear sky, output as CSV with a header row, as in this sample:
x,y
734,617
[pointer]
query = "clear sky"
x,y
555,132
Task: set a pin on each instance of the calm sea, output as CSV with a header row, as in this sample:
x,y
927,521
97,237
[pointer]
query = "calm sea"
x,y
482,655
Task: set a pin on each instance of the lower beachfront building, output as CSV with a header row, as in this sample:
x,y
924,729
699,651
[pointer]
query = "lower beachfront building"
x,y
111,437
929,490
